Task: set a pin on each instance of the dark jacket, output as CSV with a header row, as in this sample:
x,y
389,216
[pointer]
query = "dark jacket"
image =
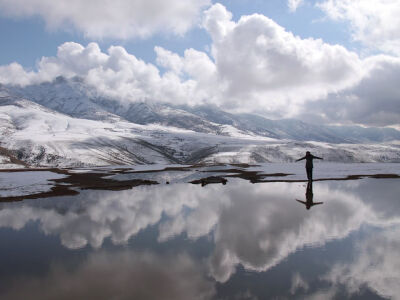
x,y
309,160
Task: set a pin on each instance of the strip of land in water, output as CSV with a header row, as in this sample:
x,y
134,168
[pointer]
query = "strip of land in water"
x,y
99,178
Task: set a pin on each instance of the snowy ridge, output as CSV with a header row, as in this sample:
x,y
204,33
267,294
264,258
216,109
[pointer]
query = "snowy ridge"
x,y
76,99
64,124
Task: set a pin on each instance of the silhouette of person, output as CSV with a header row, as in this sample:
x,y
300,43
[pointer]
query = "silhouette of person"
x,y
309,197
309,163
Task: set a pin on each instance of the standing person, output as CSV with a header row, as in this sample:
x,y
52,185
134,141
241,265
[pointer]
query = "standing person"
x,y
309,163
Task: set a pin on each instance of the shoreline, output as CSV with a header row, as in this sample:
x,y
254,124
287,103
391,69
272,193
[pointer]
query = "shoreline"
x,y
98,178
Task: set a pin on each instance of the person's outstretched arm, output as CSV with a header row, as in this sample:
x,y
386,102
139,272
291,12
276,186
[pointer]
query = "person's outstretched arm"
x,y
300,159
317,157
301,201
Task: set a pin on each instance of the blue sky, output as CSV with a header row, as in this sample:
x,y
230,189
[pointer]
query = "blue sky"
x,y
323,61
27,39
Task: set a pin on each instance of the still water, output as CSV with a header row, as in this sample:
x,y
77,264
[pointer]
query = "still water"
x,y
276,240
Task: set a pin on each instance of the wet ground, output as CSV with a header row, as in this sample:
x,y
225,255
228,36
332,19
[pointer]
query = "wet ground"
x,y
201,232
20,184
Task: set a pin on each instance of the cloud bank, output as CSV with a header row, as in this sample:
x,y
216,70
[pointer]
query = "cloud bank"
x,y
254,65
120,19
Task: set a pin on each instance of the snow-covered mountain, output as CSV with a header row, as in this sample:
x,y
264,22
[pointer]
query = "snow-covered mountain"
x,y
66,123
74,98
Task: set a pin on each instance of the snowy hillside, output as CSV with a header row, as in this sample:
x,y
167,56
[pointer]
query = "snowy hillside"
x,y
76,99
65,124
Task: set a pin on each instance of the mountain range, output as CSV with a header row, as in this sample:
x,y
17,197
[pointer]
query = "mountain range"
x,y
66,123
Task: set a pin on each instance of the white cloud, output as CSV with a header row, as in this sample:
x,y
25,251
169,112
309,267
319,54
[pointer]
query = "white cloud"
x,y
117,73
374,23
15,74
217,21
294,4
116,19
255,66
189,80
195,65
259,64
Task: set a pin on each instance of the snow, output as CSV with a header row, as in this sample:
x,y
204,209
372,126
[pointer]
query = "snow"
x,y
31,182
25,183
6,165
327,170
59,125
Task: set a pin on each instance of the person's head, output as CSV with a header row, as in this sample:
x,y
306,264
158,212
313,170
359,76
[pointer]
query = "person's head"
x,y
308,153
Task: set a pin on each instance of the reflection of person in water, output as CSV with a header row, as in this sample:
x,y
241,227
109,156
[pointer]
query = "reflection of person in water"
x,y
309,197
309,163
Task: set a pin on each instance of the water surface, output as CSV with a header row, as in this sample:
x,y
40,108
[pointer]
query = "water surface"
x,y
185,241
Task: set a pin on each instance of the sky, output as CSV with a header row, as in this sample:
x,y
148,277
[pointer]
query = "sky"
x,y
322,61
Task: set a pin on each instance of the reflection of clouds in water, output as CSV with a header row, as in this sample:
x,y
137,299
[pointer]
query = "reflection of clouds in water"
x,y
383,199
94,216
265,228
298,283
322,295
376,265
203,216
121,275
254,225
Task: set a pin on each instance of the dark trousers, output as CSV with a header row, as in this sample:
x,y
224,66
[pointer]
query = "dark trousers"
x,y
309,173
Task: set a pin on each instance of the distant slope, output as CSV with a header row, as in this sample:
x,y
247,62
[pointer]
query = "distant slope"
x,y
74,98
295,129
65,124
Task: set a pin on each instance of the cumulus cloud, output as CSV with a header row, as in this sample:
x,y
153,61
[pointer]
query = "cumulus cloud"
x,y
116,74
255,65
374,23
15,74
115,19
260,64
